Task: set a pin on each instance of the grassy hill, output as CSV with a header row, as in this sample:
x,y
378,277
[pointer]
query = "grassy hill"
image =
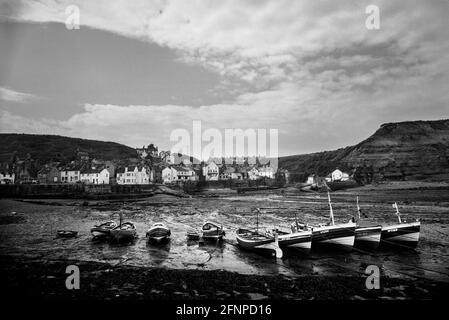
x,y
411,150
45,148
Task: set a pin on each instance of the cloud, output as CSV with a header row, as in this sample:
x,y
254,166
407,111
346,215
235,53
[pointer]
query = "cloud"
x,y
7,94
311,68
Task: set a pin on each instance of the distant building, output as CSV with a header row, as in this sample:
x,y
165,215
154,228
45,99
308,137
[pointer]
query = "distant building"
x,y
133,175
95,176
71,174
49,175
253,174
266,172
7,177
211,172
178,173
338,175
151,150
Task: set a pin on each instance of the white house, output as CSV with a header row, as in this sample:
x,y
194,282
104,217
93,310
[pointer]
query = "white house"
x,y
253,174
266,172
211,171
71,175
133,175
95,176
6,177
338,175
178,173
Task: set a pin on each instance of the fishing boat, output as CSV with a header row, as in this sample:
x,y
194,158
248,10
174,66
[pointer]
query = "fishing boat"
x,y
123,232
255,241
158,233
366,236
341,236
401,234
193,235
103,230
295,239
259,242
212,231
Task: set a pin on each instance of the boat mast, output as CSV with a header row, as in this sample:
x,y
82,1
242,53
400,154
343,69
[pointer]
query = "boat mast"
x,y
395,205
358,207
257,220
331,211
121,217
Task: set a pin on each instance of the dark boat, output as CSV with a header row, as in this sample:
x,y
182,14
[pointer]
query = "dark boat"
x,y
340,236
212,231
103,230
297,238
366,236
405,234
158,233
123,232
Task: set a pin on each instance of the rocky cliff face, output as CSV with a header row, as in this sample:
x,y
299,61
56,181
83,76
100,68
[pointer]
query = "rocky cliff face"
x,y
403,151
412,150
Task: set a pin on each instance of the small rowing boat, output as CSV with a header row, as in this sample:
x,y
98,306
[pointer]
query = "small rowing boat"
x,y
366,236
212,231
103,230
67,233
124,232
256,241
404,233
158,233
253,240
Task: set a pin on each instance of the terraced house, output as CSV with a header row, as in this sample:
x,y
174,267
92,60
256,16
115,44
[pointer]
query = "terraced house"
x,y
95,176
133,175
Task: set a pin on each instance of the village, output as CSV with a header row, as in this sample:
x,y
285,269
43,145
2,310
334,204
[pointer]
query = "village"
x,y
149,166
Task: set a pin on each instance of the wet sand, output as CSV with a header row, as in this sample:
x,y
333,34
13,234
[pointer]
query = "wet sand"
x,y
30,253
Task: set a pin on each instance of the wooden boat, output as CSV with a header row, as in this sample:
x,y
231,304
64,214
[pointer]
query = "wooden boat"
x,y
193,235
103,230
123,232
212,231
404,233
366,236
67,233
295,239
255,241
158,232
341,236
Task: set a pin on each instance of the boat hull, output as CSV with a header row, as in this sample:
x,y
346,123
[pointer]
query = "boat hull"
x,y
367,237
341,236
403,234
262,244
301,241
158,234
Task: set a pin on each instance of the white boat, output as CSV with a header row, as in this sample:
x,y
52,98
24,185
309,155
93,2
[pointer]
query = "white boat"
x,y
158,233
401,234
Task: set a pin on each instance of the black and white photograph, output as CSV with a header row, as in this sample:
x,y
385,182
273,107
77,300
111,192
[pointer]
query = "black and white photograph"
x,y
220,158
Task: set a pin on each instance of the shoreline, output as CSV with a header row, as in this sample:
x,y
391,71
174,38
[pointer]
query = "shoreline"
x,y
25,278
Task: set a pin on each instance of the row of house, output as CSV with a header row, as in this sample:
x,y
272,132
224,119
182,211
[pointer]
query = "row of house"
x,y
214,172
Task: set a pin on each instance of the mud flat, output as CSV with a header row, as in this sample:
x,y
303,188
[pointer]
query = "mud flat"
x,y
46,280
33,260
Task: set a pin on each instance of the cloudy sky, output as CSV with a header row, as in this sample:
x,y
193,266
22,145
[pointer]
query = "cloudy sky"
x,y
136,70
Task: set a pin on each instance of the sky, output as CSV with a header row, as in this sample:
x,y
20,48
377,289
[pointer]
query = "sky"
x,y
135,71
